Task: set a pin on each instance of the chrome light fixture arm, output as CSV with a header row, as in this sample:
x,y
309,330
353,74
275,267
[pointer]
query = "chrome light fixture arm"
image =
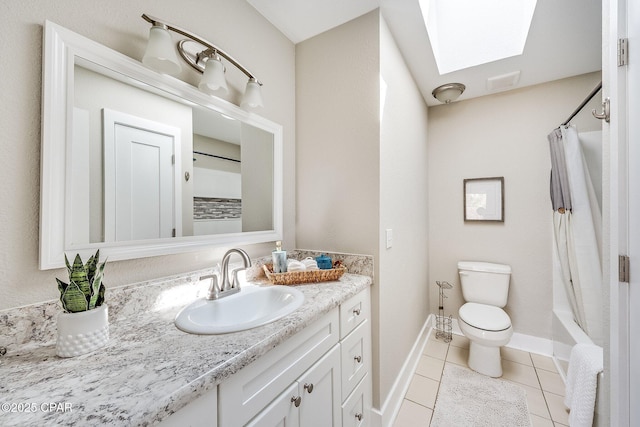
x,y
211,49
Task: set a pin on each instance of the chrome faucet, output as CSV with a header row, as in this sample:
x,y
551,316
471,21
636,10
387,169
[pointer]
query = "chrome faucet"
x,y
229,283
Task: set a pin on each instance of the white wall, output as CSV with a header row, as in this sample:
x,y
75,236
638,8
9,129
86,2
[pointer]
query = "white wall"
x,y
239,29
358,174
500,135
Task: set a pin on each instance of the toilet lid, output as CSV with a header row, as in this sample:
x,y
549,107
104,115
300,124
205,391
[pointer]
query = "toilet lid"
x,y
486,317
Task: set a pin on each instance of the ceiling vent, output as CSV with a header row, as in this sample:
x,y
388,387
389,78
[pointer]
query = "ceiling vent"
x,y
503,81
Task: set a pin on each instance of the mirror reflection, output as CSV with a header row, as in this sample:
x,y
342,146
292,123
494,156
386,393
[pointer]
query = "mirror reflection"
x,y
156,166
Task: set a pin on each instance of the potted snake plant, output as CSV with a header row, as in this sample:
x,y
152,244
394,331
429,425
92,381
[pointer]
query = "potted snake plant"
x,y
84,325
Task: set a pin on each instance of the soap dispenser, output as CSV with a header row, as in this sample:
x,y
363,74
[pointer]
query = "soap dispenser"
x,y
279,259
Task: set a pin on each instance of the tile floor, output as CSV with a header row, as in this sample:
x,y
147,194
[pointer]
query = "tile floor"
x,y
536,374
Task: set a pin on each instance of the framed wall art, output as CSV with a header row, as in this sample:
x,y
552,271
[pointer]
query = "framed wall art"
x,y
484,199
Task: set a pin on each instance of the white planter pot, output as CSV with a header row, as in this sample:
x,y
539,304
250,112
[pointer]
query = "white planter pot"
x,y
83,332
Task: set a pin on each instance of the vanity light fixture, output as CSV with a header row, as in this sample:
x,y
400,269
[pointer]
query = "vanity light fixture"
x,y
449,92
201,55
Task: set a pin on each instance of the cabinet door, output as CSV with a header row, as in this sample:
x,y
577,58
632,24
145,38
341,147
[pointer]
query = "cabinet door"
x,y
320,390
282,412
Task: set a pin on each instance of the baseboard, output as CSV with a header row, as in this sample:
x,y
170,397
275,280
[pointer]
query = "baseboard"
x,y
531,344
385,416
518,341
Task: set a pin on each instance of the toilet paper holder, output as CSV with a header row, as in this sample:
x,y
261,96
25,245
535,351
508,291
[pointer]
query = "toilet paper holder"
x,y
443,324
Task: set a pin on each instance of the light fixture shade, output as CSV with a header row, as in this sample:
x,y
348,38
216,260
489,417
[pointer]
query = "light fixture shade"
x,y
252,94
213,79
449,92
161,54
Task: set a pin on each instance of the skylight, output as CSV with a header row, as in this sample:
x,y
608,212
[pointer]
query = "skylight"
x,y
465,33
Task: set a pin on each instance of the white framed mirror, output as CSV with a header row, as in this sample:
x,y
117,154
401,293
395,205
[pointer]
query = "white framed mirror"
x,y
139,164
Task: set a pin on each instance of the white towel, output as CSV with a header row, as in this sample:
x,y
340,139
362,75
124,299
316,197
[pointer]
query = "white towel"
x,y
585,363
294,265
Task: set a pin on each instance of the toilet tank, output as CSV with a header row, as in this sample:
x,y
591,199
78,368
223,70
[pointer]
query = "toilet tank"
x,y
484,282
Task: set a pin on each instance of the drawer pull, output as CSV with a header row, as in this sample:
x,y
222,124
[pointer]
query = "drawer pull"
x,y
356,311
309,387
359,416
296,400
358,359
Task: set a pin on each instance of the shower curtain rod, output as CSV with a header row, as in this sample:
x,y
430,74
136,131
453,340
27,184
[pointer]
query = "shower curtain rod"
x,y
581,106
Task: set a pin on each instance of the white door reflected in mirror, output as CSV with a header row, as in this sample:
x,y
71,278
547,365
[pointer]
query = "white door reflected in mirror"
x,y
141,183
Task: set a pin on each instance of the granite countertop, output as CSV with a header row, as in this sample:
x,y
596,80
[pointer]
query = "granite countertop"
x,y
149,369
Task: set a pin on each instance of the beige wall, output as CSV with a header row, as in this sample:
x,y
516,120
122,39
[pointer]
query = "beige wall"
x,y
358,174
404,208
338,145
238,28
501,135
93,92
337,138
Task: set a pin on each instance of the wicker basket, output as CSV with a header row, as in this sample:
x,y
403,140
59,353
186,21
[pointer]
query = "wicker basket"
x,y
300,277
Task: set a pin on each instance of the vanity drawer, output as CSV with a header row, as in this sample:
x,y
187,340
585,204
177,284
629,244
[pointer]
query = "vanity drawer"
x,y
354,311
355,351
356,410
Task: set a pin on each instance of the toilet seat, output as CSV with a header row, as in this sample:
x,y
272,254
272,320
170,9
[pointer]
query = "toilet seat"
x,y
485,317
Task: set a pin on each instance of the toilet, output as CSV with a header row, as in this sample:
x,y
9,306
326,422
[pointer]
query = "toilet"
x,y
485,287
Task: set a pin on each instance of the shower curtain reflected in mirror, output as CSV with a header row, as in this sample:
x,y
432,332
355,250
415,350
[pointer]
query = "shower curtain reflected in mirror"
x,y
577,230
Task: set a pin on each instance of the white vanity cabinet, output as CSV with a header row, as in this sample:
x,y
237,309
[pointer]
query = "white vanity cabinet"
x,y
269,383
320,377
312,400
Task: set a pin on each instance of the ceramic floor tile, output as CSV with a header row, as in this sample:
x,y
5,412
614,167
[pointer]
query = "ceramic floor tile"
x,y
543,362
458,355
459,341
535,400
423,391
519,373
559,413
516,356
537,421
535,373
551,381
430,367
437,349
413,415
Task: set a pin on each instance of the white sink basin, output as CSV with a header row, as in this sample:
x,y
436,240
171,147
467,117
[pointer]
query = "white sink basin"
x,y
253,306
